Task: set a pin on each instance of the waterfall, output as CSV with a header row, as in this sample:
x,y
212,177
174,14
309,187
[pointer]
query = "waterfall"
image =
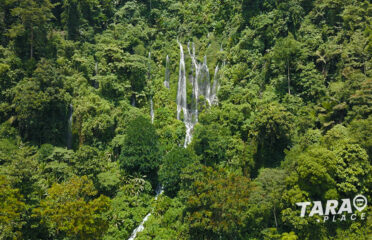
x,y
181,92
159,190
201,84
167,73
133,100
205,80
141,227
213,97
152,111
188,114
69,127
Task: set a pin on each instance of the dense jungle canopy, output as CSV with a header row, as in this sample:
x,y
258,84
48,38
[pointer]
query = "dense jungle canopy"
x,y
91,123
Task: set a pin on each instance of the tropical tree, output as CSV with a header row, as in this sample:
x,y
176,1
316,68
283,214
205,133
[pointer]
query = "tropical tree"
x,y
71,209
217,206
33,17
171,168
140,152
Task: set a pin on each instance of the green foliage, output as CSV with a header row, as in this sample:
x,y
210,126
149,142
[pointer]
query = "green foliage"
x,y
128,208
270,187
361,101
171,168
89,161
271,129
289,236
109,181
285,52
23,171
92,122
166,223
11,207
70,209
332,167
210,142
361,130
55,163
352,169
293,113
140,152
217,205
41,95
33,17
88,15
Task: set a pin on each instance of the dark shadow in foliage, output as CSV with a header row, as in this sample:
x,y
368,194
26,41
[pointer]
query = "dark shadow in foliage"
x,y
40,105
271,131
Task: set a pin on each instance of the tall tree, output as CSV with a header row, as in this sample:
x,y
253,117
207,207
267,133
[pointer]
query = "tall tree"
x,y
140,151
170,170
271,185
271,130
33,17
285,54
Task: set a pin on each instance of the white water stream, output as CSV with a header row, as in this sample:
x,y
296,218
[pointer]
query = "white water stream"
x,y
141,227
201,84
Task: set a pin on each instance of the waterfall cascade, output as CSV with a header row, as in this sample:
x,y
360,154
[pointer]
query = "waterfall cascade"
x,y
69,127
167,73
201,86
159,190
152,110
189,114
181,92
141,227
133,100
213,95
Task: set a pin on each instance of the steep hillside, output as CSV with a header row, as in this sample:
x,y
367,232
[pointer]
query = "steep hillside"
x,y
229,112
